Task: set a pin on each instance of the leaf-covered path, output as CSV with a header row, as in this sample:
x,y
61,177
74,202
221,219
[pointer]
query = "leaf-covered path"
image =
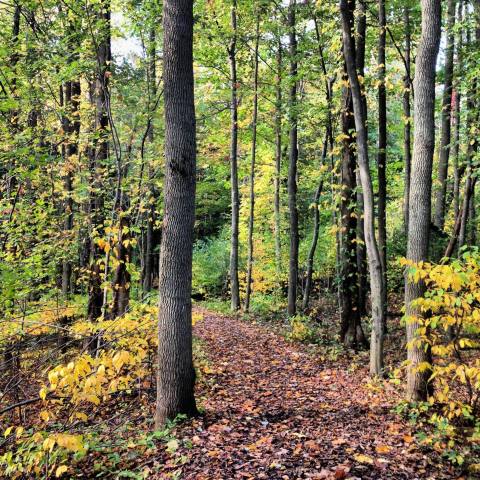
x,y
273,410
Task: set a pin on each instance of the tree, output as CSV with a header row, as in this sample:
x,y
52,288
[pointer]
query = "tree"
x,y
382,142
292,162
421,187
235,195
176,375
446,118
407,130
251,218
378,292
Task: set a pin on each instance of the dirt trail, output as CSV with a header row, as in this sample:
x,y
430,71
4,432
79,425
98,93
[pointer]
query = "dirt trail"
x,y
275,411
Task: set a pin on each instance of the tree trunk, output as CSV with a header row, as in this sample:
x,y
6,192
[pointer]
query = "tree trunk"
x,y
149,236
378,294
407,135
98,156
361,247
252,169
176,375
351,333
235,196
292,164
278,157
122,277
446,119
382,144
420,188
316,229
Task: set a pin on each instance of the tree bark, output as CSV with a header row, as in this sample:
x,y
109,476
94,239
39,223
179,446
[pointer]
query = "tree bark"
x,y
235,196
378,293
292,164
446,119
176,375
420,188
407,129
251,218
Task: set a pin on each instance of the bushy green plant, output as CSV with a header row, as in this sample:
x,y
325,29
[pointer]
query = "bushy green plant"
x,y
210,265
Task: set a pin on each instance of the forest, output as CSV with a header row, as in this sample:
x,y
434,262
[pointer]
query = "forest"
x,y
239,239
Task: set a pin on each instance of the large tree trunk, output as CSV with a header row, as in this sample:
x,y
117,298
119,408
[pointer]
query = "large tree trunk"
x,y
176,375
421,187
439,217
382,143
292,164
378,293
235,196
251,218
407,129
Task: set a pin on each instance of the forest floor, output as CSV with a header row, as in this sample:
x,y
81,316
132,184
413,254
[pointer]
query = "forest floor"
x,y
272,409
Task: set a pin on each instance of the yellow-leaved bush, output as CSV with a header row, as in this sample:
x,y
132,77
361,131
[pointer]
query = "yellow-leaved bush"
x,y
450,327
75,390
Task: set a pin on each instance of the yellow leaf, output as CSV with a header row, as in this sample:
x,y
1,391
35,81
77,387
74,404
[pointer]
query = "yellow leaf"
x,y
61,470
383,448
8,431
44,416
363,459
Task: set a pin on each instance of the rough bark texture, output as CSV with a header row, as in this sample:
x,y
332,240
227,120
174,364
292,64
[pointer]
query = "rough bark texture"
x,y
421,186
439,217
378,293
407,129
235,196
251,218
292,164
176,375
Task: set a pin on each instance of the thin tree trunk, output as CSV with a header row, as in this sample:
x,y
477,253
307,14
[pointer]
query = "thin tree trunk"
x,y
278,157
235,196
122,277
316,229
439,217
362,266
407,130
292,165
420,189
98,155
378,294
149,234
175,374
382,144
251,219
